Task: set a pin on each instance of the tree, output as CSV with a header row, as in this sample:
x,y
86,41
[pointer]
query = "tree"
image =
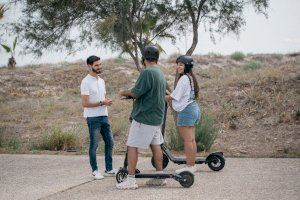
x,y
2,10
11,61
218,16
125,25
134,24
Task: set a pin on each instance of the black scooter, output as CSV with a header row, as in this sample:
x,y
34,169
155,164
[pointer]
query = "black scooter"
x,y
185,178
215,161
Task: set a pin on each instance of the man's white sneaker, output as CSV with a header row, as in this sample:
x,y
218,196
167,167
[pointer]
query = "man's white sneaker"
x,y
191,169
112,172
156,182
128,184
97,175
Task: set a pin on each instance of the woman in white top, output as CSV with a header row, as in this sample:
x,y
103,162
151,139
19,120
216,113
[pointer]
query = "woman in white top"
x,y
184,103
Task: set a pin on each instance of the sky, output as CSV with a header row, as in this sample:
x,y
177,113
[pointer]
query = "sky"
x,y
279,33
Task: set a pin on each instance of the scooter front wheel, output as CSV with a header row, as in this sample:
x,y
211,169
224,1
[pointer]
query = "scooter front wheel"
x,y
216,162
165,161
121,175
187,179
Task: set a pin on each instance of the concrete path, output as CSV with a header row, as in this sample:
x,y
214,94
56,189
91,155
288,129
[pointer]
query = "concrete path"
x,y
68,177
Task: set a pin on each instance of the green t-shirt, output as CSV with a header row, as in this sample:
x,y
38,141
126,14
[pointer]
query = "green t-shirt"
x,y
150,91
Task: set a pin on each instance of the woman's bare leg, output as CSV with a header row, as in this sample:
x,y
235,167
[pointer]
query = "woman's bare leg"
x,y
188,136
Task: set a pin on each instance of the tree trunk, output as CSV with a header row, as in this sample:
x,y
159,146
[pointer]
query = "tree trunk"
x,y
137,63
195,40
11,63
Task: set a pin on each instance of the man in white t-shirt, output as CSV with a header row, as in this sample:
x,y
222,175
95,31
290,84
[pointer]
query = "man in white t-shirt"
x,y
95,111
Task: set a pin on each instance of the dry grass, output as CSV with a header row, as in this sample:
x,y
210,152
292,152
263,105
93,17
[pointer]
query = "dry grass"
x,y
36,99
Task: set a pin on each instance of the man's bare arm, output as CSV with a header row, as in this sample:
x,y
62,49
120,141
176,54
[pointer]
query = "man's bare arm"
x,y
87,104
126,93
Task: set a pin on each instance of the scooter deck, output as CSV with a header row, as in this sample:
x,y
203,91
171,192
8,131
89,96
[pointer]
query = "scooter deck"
x,y
158,176
183,160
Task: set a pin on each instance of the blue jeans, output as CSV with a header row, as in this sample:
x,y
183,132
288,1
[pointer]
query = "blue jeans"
x,y
100,125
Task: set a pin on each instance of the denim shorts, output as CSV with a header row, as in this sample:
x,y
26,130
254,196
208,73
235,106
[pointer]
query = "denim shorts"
x,y
189,116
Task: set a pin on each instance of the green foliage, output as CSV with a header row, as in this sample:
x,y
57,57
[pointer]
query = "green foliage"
x,y
174,141
126,25
10,143
206,132
15,43
57,140
13,143
1,138
7,48
252,65
238,56
218,16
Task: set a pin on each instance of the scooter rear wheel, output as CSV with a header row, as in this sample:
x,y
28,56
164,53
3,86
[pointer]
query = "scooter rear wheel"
x,y
187,179
165,161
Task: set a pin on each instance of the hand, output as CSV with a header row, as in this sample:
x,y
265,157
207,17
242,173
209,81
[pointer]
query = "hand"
x,y
120,93
168,92
107,102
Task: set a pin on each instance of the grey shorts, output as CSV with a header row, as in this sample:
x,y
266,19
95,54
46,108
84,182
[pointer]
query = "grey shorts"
x,y
142,135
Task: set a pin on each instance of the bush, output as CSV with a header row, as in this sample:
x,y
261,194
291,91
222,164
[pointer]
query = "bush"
x,y
1,137
56,141
206,132
9,143
12,143
238,56
252,65
174,140
120,60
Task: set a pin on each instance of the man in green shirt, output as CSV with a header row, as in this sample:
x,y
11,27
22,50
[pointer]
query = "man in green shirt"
x,y
147,117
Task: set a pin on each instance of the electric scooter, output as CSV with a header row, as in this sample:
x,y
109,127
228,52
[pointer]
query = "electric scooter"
x,y
185,178
215,161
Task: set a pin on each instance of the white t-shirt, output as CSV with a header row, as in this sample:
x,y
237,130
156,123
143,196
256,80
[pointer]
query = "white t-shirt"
x,y
94,87
182,94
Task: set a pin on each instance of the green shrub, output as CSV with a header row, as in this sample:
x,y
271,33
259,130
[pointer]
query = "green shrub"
x,y
1,138
57,140
13,143
9,143
206,132
252,65
238,56
174,140
120,60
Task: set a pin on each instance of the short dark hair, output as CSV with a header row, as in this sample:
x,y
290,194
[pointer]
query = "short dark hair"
x,y
90,60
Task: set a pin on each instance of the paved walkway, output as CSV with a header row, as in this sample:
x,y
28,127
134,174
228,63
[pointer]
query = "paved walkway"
x,y
69,177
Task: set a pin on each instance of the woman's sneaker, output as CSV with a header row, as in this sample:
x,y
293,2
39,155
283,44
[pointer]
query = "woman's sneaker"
x,y
191,169
128,184
97,175
112,172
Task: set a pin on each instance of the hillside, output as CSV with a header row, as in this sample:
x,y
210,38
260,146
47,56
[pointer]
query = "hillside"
x,y
255,100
